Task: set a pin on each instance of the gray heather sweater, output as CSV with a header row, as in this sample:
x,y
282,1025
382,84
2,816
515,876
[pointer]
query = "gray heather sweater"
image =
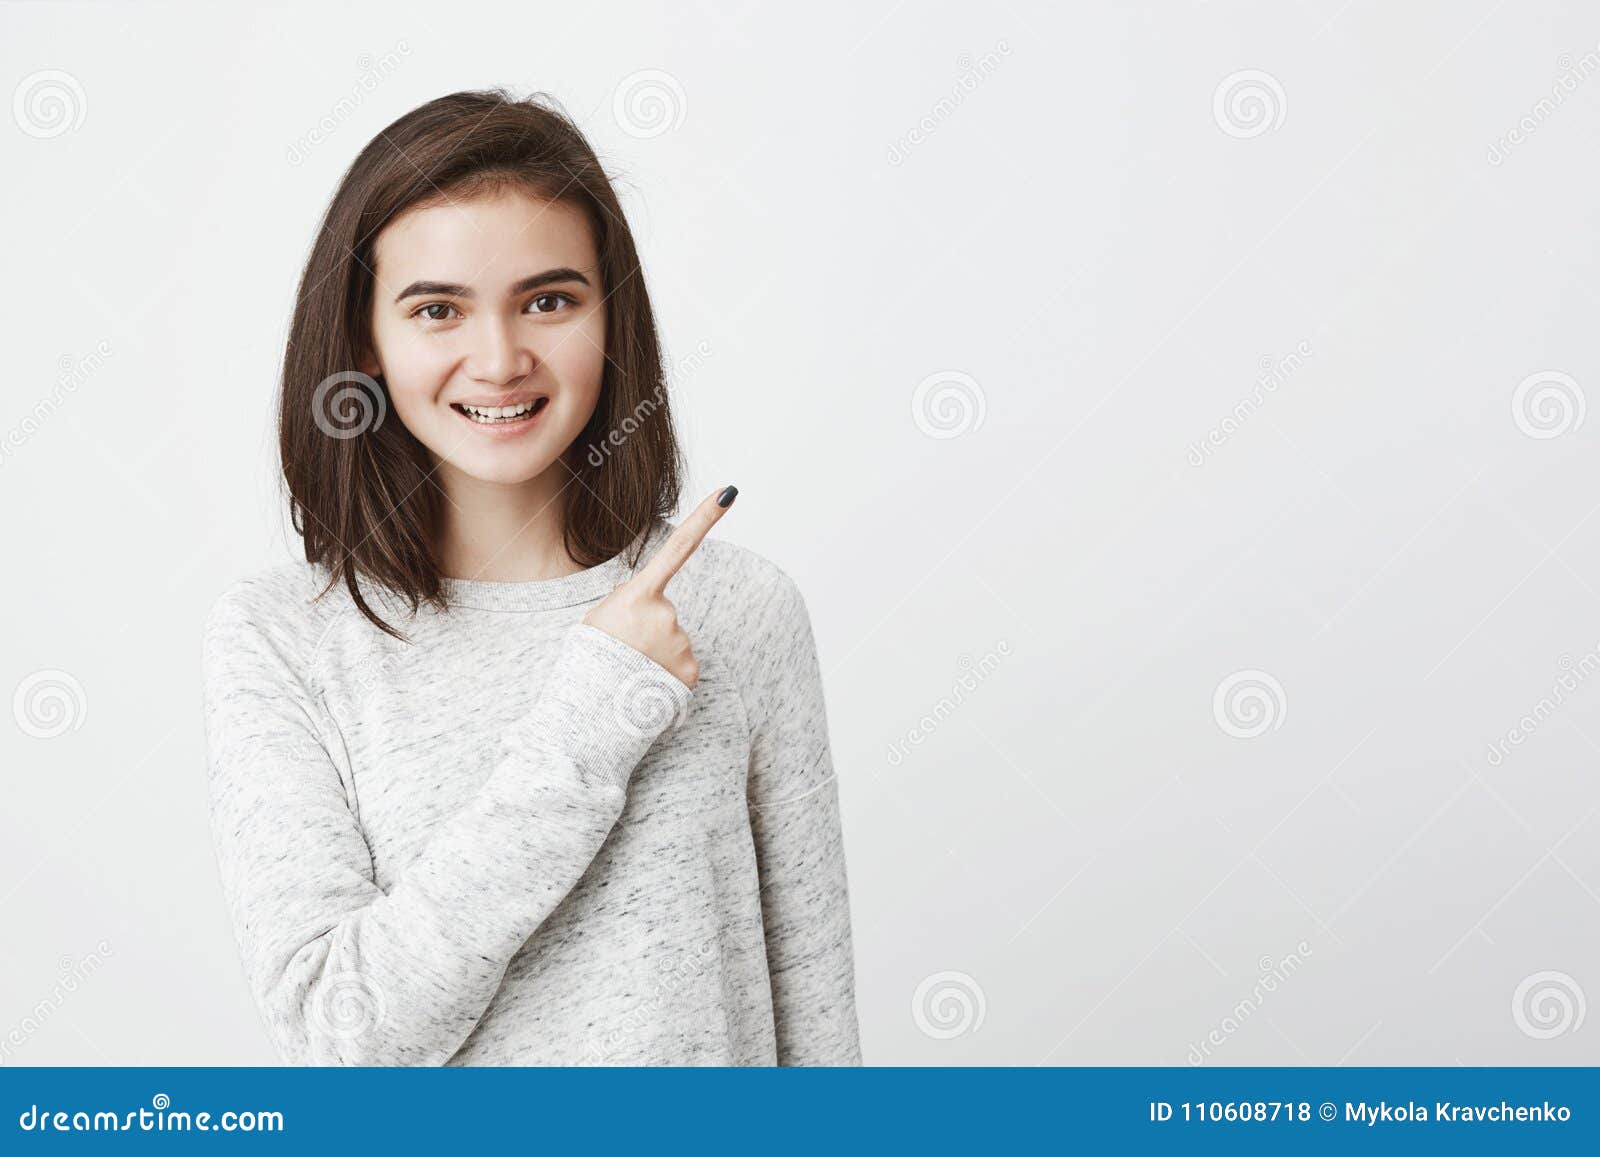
x,y
521,841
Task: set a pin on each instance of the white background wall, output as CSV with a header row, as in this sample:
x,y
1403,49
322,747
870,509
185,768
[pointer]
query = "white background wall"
x,y
1095,258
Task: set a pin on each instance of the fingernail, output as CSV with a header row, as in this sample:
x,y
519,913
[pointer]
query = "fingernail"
x,y
725,499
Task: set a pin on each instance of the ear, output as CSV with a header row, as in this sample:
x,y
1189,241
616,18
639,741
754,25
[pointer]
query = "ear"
x,y
369,366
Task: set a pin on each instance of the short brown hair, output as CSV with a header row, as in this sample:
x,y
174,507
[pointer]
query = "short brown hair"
x,y
365,503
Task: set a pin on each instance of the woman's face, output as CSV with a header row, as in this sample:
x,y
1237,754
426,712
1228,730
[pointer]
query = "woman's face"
x,y
490,302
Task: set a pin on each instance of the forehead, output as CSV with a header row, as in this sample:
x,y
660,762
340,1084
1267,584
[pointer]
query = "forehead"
x,y
499,236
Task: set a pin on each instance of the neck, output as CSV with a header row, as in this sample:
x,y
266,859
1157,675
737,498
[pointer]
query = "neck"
x,y
502,532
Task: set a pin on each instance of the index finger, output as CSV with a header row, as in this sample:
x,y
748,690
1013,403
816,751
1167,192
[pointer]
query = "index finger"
x,y
683,541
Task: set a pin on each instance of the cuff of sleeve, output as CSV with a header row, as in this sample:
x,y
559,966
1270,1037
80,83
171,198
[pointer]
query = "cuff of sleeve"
x,y
603,706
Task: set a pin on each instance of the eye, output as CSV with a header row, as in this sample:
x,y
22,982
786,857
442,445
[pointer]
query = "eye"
x,y
423,310
551,297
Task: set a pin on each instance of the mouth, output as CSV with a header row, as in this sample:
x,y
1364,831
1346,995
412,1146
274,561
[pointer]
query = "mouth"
x,y
522,414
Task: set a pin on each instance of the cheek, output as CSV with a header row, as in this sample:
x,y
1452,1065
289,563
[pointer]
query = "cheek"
x,y
414,368
579,358
414,376
412,399
587,380
413,406
577,366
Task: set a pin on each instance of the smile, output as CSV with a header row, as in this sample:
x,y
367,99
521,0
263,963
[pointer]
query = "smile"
x,y
502,415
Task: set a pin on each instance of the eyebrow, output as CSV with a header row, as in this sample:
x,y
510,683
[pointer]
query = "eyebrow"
x,y
450,289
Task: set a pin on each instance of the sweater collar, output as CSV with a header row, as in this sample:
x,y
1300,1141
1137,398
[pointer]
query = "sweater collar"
x,y
547,594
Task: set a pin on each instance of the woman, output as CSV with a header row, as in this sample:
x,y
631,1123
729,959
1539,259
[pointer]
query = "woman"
x,y
511,770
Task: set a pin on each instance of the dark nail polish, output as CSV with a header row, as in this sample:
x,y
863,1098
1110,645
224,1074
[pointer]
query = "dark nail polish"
x,y
725,499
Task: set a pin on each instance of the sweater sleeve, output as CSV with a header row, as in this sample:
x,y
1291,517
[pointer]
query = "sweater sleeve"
x,y
795,819
342,972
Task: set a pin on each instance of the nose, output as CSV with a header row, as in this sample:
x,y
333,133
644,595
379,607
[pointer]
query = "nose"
x,y
499,355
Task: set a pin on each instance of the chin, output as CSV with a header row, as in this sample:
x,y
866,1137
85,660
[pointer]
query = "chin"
x,y
507,472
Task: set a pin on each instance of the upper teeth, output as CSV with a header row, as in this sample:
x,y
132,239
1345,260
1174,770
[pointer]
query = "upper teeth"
x,y
498,411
